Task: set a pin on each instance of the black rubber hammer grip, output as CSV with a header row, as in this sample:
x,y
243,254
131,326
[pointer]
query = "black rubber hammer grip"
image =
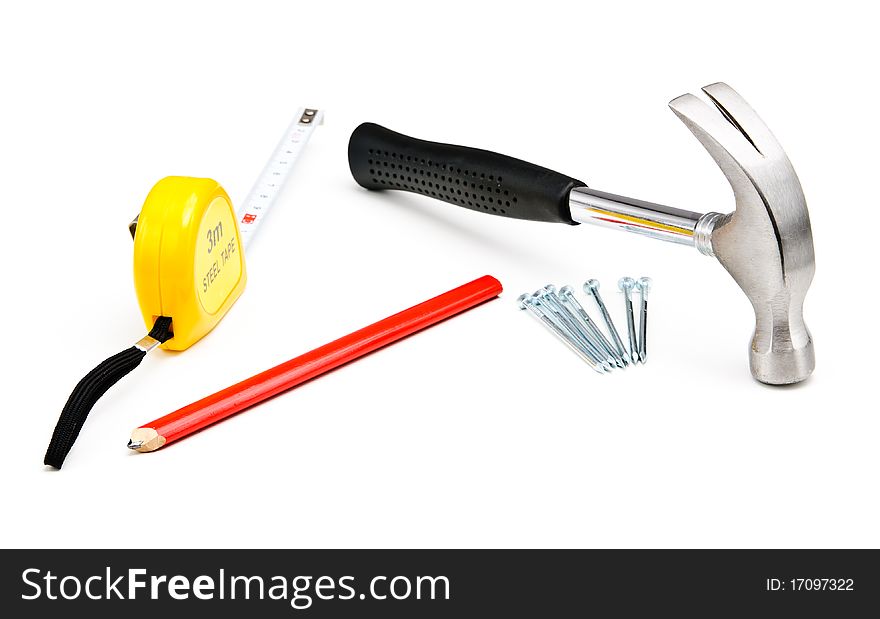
x,y
479,180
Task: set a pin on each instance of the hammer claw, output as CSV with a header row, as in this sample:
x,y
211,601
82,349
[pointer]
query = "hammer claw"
x,y
740,114
727,144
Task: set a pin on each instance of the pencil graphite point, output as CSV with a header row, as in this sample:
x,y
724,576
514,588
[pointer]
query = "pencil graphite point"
x,y
145,439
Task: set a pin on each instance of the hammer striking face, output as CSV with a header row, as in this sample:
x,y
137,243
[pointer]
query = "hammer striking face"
x,y
765,244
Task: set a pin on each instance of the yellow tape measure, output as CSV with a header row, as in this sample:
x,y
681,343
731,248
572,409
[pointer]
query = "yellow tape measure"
x,y
188,257
189,244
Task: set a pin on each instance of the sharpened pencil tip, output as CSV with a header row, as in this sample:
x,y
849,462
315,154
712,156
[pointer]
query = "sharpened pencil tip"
x,y
145,439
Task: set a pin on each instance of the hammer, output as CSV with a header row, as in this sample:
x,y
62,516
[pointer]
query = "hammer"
x,y
766,244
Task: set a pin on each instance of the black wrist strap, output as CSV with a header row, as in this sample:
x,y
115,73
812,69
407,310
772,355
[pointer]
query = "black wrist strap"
x,y
91,388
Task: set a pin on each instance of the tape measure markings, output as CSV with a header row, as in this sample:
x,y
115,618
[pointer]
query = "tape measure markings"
x,y
270,181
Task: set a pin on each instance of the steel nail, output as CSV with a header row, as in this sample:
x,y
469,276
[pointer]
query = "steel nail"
x,y
591,287
626,285
644,286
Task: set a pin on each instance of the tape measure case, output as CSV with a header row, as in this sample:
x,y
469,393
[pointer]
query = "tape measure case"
x,y
188,257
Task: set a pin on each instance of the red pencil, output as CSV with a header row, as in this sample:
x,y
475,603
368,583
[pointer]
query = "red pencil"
x,y
289,374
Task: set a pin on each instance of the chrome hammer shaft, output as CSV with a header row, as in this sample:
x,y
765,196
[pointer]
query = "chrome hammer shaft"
x,y
656,221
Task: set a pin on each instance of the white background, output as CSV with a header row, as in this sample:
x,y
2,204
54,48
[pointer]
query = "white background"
x,y
483,431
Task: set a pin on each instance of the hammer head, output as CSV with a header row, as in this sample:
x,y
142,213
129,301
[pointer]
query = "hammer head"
x,y
766,244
